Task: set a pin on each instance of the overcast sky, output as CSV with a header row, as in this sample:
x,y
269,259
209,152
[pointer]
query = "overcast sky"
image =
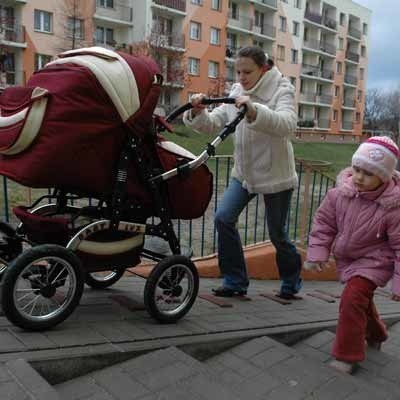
x,y
384,43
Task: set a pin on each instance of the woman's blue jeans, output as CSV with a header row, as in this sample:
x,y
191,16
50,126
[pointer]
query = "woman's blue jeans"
x,y
230,251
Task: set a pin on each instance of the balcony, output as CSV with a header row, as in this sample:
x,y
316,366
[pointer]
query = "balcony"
x,y
269,3
11,78
350,79
317,72
310,97
231,52
118,14
236,21
320,45
355,57
179,5
347,125
11,32
318,19
355,33
265,30
349,102
171,40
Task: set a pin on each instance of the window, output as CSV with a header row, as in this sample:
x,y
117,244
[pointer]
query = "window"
x,y
234,10
339,67
358,117
342,19
213,69
362,72
335,115
259,20
75,28
363,51
41,60
340,44
43,21
195,30
305,34
105,36
292,80
359,95
297,3
296,28
231,40
105,3
294,56
365,29
282,24
197,2
215,36
337,91
281,52
194,66
216,4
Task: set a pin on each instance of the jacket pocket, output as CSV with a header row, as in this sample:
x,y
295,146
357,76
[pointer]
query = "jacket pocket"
x,y
261,153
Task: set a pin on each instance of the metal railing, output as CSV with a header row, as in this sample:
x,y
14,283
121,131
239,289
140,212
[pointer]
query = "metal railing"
x,y
355,33
315,70
320,45
200,234
312,97
352,56
349,102
272,3
120,13
179,5
313,17
350,79
159,39
12,32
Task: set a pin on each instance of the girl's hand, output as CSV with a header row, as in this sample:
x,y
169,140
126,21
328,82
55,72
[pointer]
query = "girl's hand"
x,y
196,103
318,266
251,112
395,297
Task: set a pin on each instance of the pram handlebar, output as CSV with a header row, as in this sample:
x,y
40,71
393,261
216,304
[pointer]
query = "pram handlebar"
x,y
206,100
210,150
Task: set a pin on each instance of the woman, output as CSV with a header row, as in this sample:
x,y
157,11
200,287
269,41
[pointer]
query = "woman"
x,y
263,163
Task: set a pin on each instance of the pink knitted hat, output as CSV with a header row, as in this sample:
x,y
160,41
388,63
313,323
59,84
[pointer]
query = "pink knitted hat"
x,y
377,155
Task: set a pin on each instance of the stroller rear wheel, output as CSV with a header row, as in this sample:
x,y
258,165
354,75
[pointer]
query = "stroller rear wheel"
x,y
171,288
42,287
103,279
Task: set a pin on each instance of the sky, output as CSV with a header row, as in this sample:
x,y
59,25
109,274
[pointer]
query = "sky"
x,y
384,44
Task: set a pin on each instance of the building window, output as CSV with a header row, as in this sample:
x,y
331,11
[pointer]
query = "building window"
x,y
75,28
359,95
41,60
340,44
335,115
197,2
213,69
105,3
294,56
43,21
215,36
297,3
337,91
362,71
259,44
339,67
105,36
358,117
292,80
259,20
342,19
281,52
234,10
363,51
216,4
282,24
194,66
296,28
365,29
195,30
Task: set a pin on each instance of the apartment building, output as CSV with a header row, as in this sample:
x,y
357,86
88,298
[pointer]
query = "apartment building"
x,y
320,45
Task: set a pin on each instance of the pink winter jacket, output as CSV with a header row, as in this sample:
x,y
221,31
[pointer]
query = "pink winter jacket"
x,y
362,229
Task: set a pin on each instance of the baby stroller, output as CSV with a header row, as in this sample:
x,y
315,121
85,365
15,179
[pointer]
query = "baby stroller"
x,y
84,127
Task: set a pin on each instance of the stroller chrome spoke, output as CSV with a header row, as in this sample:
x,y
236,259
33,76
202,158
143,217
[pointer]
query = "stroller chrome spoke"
x,y
31,302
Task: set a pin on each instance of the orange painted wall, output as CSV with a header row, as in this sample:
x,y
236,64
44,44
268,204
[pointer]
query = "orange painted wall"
x,y
202,49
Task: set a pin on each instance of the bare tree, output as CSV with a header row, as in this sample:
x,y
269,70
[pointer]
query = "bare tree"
x,y
374,109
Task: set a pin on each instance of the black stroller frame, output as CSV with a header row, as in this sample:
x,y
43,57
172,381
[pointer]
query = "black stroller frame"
x,y
43,284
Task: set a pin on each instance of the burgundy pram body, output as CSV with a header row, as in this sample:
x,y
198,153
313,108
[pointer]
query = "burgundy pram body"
x,y
67,126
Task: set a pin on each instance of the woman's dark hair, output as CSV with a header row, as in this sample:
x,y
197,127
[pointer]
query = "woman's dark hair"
x,y
256,54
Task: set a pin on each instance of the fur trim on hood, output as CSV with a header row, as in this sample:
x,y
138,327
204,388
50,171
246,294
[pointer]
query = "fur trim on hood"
x,y
388,195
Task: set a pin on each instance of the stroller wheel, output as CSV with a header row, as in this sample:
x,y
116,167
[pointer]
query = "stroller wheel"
x,y
103,279
171,288
42,287
10,246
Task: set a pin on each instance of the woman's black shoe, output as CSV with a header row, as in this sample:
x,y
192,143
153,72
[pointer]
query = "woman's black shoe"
x,y
226,292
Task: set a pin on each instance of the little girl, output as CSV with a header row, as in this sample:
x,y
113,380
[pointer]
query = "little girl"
x,y
359,220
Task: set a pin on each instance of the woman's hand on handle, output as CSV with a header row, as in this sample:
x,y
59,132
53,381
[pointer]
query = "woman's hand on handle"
x,y
395,297
251,112
196,101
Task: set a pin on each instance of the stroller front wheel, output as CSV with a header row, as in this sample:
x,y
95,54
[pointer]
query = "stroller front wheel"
x,y
42,287
171,288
